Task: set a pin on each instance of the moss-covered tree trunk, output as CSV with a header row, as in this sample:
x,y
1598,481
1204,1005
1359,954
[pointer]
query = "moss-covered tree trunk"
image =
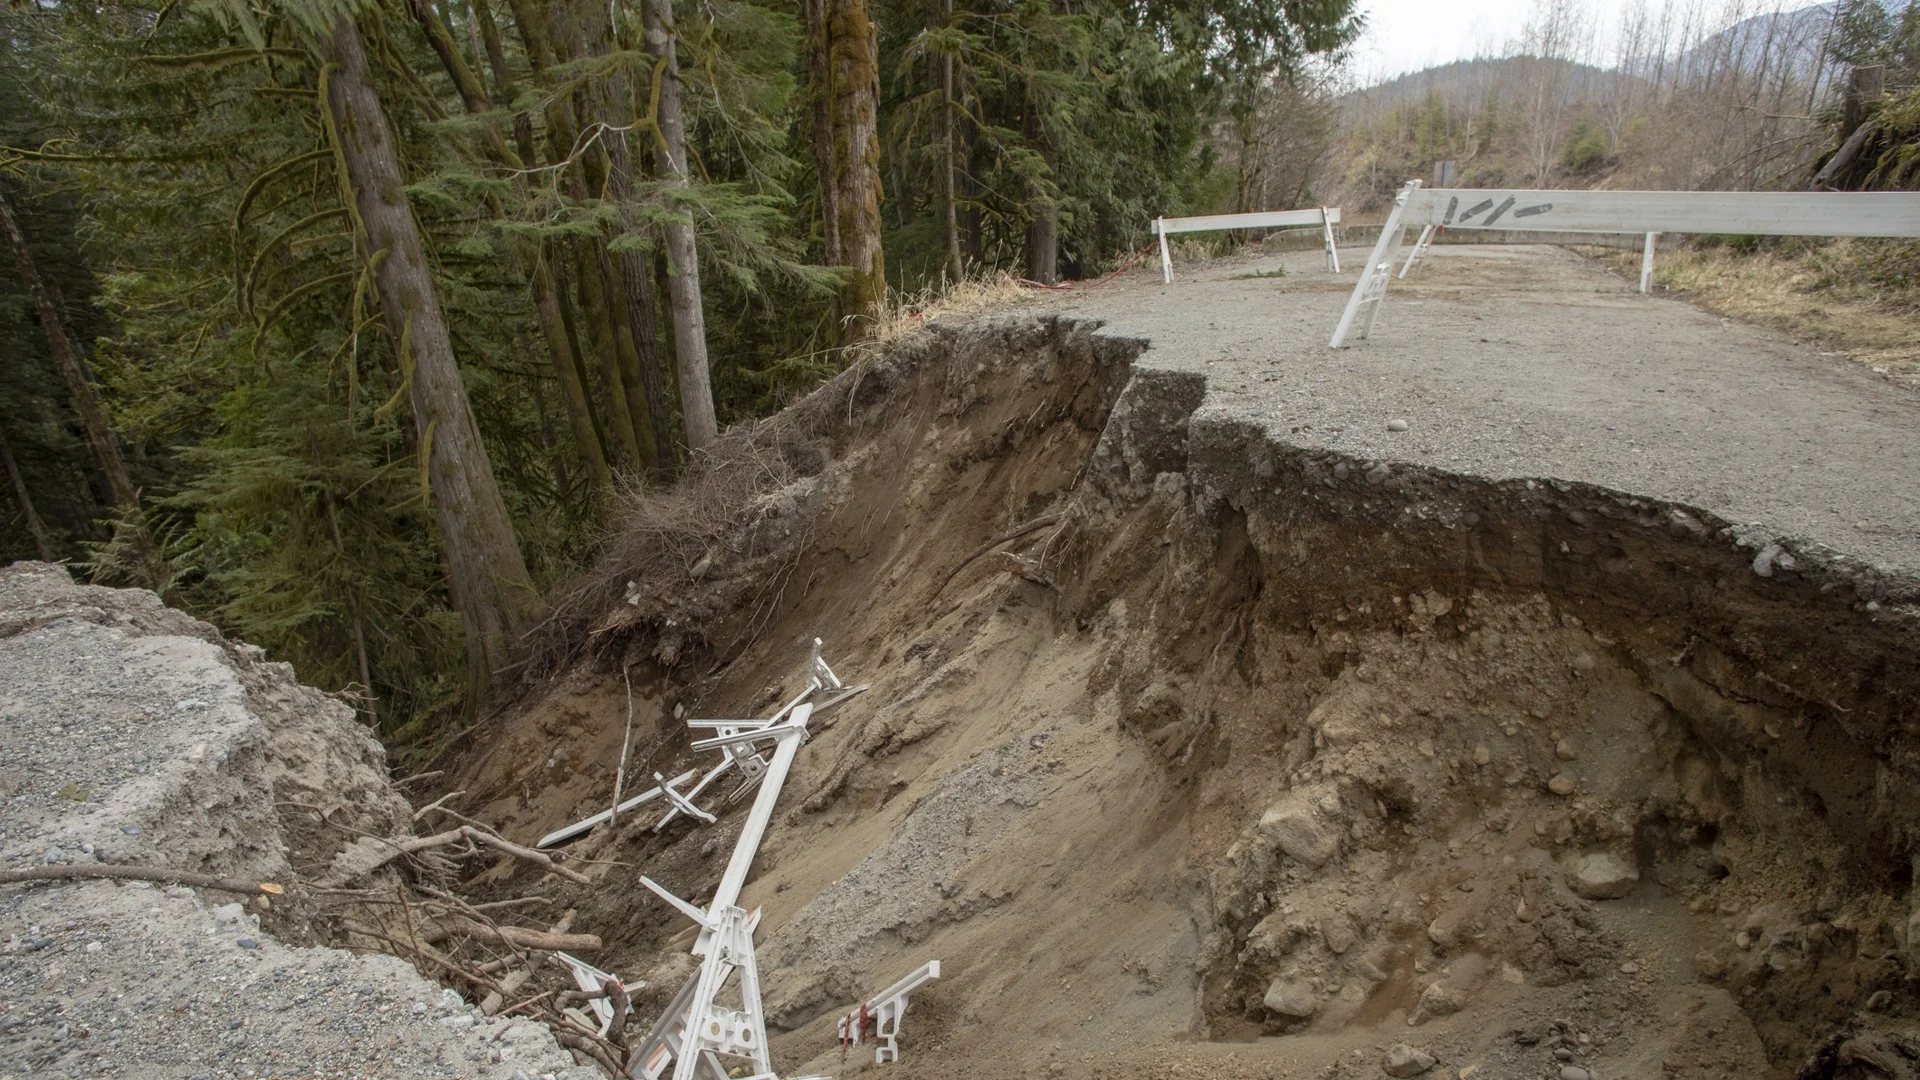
x,y
1043,215
944,136
540,280
489,581
86,403
820,101
35,526
853,50
683,284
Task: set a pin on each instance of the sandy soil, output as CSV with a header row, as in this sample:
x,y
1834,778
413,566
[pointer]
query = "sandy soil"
x,y
1266,757
1536,362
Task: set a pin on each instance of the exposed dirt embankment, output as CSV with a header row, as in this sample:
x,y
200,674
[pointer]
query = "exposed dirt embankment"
x,y
1254,759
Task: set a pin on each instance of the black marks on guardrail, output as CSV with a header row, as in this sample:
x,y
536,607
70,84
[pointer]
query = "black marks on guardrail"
x,y
1476,208
1530,211
1501,209
1452,205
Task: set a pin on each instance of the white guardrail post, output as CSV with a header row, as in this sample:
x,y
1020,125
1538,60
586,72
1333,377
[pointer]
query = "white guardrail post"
x,y
879,1015
1746,213
1166,257
1377,269
1326,217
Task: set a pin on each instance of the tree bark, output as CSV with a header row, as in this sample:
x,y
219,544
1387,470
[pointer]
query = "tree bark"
x,y
573,393
34,525
1043,241
1043,216
79,389
683,284
853,46
623,443
546,298
820,100
945,135
489,581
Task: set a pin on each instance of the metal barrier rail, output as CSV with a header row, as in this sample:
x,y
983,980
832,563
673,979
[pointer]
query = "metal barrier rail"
x,y
1752,213
1326,217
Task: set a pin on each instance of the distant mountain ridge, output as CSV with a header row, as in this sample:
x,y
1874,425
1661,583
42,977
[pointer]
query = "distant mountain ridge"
x,y
1799,35
1462,78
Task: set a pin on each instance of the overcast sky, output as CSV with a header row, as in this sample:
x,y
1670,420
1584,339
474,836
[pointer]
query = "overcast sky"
x,y
1407,35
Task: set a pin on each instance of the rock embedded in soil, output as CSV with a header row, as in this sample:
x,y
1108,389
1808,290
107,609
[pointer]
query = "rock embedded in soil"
x,y
1292,826
1291,998
1562,784
1404,1060
1602,876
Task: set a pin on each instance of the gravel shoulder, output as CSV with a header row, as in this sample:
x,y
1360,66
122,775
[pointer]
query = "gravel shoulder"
x,y
1535,363
132,733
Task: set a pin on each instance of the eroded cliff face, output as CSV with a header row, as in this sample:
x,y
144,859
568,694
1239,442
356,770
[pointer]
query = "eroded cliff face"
x,y
1245,740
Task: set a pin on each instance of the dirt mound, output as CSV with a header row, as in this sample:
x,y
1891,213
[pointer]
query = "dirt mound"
x,y
1255,760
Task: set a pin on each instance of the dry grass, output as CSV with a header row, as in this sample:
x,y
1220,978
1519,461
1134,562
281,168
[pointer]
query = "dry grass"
x,y
661,543
1854,298
907,312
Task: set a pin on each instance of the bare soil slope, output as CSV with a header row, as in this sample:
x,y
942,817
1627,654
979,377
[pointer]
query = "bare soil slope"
x,y
1259,759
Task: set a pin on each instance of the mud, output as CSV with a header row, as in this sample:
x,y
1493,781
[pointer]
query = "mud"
x,y
1265,758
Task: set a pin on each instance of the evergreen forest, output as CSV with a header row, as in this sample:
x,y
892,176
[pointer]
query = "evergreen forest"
x,y
348,325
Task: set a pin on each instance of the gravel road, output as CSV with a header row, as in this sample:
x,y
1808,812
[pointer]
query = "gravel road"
x,y
1533,362
132,733
145,982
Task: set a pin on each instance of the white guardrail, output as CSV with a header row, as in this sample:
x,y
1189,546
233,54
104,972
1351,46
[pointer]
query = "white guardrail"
x,y
1751,213
1326,217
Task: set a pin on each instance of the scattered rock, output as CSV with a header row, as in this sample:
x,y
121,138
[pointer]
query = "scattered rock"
x,y
1438,1000
1564,750
1709,966
1879,1001
1404,1060
1773,555
1574,1072
1482,755
1339,934
1292,826
1562,784
1601,876
247,943
1379,474
1629,968
1291,998
1396,425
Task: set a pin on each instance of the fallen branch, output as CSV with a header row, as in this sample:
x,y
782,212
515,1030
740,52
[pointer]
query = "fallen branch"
x,y
540,858
142,873
435,804
1011,534
521,937
478,835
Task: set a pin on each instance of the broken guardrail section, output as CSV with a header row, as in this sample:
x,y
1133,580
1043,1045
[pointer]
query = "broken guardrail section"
x,y
879,1016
